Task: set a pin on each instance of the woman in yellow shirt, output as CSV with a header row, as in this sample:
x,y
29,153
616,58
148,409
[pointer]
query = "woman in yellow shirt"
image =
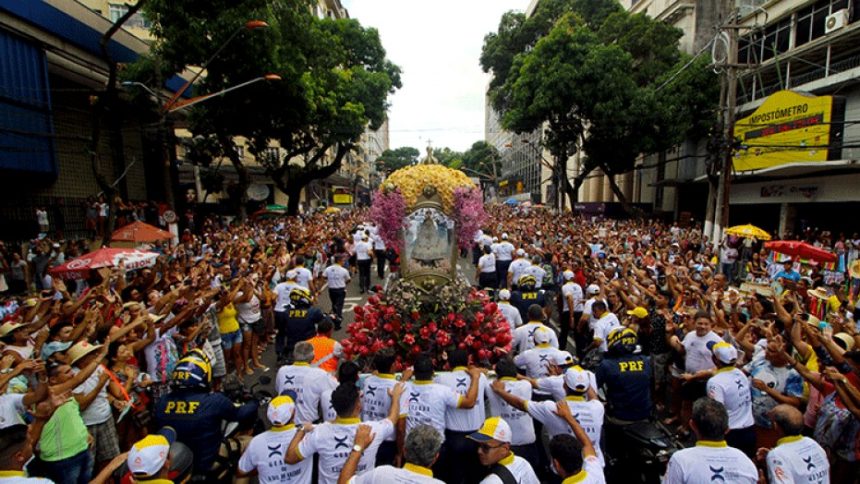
x,y
228,326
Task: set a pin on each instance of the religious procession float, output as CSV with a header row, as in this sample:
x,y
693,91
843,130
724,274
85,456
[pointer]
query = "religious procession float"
x,y
428,212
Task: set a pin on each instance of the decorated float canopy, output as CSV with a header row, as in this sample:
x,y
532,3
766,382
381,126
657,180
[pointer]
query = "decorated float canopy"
x,y
428,211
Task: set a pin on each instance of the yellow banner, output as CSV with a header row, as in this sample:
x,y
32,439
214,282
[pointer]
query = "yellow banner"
x,y
790,127
342,199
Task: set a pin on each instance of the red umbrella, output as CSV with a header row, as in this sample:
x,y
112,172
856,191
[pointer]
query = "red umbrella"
x,y
802,250
140,232
108,257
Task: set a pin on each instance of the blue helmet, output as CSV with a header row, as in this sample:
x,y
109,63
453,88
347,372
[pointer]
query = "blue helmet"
x,y
192,371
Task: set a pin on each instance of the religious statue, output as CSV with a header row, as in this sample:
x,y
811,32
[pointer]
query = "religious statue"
x,y
430,159
431,243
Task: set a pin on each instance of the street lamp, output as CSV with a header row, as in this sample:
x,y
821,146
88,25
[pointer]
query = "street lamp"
x,y
249,25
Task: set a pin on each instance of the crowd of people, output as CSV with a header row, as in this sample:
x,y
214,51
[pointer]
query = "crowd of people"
x,y
752,362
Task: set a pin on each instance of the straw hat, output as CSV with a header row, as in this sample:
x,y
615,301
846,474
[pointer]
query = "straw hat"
x,y
846,340
81,349
854,269
8,327
819,293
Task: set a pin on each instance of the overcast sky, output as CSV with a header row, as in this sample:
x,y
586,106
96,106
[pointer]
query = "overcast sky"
x,y
437,43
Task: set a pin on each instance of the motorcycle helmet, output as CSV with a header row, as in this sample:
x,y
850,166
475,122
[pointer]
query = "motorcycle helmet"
x,y
527,282
192,371
300,297
622,340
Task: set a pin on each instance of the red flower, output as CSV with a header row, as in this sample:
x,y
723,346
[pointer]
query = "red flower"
x,y
409,339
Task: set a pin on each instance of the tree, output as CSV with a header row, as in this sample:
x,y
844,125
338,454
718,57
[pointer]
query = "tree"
x,y
335,82
391,160
448,157
593,83
483,160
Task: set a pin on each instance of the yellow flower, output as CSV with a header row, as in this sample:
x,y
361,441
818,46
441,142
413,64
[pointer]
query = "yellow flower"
x,y
412,180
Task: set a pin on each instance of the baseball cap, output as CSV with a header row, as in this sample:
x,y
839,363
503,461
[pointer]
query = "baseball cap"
x,y
576,379
280,410
723,351
494,428
505,294
291,274
504,236
148,455
521,252
639,312
593,289
568,275
542,336
563,358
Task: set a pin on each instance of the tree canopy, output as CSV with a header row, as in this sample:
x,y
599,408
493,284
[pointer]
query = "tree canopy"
x,y
335,81
391,160
591,76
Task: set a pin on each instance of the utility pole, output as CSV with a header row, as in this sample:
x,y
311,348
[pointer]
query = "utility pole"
x,y
730,31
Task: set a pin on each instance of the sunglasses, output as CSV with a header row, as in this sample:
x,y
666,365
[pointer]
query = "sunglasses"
x,y
488,447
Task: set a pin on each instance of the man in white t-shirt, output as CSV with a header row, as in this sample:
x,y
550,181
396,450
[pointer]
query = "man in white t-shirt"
x,y
524,335
605,323
264,455
331,440
581,400
795,458
711,460
523,441
282,306
421,451
698,362
337,277
511,314
307,382
487,270
494,451
304,277
503,252
460,459
731,387
363,256
516,269
375,400
571,307
536,361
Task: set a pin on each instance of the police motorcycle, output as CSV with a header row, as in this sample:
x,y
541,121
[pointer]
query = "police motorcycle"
x,y
638,445
193,371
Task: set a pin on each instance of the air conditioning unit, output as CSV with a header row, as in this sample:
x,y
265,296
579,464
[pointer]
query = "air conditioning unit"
x,y
836,20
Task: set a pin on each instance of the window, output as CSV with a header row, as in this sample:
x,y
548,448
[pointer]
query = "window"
x,y
273,154
136,21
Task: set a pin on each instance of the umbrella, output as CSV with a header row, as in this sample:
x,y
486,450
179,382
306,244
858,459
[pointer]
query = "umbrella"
x,y
140,232
802,250
748,232
512,201
108,257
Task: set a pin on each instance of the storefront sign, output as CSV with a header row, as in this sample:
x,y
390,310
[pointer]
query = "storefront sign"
x,y
342,199
789,127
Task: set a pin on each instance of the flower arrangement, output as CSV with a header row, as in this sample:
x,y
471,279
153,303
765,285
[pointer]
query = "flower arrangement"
x,y
389,214
462,317
469,214
412,180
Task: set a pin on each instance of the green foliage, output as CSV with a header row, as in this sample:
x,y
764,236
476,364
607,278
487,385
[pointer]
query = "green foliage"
x,y
482,159
335,80
391,160
593,80
448,157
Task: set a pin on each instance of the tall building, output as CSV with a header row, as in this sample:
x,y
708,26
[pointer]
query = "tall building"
x,y
526,173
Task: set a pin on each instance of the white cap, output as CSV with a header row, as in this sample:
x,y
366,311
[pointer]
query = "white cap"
x,y
280,410
504,236
542,336
494,428
505,294
148,455
568,275
593,289
723,351
521,252
291,274
576,379
563,358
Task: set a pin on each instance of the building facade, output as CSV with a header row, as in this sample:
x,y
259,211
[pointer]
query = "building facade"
x,y
51,71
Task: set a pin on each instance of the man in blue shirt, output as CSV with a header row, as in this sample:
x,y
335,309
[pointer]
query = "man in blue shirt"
x,y
787,273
